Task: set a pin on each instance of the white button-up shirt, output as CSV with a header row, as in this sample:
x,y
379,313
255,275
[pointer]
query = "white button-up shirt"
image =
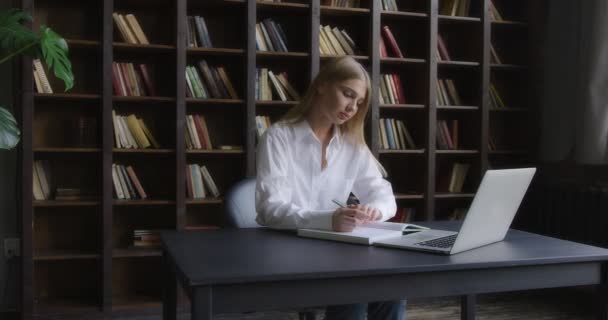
x,y
292,189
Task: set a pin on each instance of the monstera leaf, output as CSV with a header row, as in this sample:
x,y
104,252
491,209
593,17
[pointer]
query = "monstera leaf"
x,y
9,133
55,53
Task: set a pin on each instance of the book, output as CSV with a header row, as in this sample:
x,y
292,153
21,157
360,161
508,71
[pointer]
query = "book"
x,y
364,234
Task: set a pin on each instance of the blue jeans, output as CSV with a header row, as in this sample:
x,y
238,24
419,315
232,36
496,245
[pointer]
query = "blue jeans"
x,y
385,310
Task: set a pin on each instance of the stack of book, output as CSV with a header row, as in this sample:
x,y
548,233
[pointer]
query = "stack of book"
x,y
85,129
447,94
447,139
495,99
342,3
391,89
404,215
280,87
134,80
269,36
131,132
494,13
41,180
129,29
214,82
454,180
494,57
146,238
455,8
262,123
333,41
389,5
126,183
394,135
198,34
68,194
200,183
197,134
442,50
388,37
40,79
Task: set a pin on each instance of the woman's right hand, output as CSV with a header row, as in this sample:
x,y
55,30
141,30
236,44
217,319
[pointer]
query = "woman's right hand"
x,y
346,219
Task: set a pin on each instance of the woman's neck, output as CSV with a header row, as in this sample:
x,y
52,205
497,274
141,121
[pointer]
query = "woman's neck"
x,y
322,128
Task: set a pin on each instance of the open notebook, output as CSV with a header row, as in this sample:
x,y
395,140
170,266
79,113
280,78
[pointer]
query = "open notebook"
x,y
364,234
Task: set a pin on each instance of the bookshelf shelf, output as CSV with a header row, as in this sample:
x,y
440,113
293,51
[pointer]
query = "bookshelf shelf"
x,y
402,106
100,228
404,196
66,96
215,52
144,48
52,255
337,11
65,203
204,201
448,195
143,202
67,150
136,252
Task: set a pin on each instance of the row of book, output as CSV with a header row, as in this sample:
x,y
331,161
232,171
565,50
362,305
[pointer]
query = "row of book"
x,y
394,135
342,3
133,80
41,174
270,85
40,79
197,133
494,13
145,238
453,181
455,8
494,57
269,36
200,184
442,50
198,34
404,215
129,28
447,138
262,123
214,82
390,5
447,94
388,38
126,183
131,132
495,98
391,89
333,41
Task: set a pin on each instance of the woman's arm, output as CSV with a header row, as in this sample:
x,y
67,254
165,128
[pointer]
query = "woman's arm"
x,y
372,189
274,188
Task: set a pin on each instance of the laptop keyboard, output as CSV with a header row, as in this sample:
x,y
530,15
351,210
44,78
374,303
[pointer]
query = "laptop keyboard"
x,y
444,242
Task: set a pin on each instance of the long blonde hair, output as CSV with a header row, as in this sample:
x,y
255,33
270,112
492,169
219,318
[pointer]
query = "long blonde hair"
x,y
337,70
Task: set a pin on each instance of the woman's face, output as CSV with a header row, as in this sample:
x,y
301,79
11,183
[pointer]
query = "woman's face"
x,y
339,101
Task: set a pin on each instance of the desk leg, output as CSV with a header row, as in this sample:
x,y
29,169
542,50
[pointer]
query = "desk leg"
x,y
201,304
467,307
602,295
169,290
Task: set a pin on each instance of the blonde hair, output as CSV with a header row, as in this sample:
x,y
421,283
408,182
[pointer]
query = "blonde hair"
x,y
337,70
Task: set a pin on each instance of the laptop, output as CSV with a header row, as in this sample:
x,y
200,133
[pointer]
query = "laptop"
x,y
487,221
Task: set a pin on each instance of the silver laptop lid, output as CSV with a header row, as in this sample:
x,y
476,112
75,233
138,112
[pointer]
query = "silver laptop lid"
x,y
493,208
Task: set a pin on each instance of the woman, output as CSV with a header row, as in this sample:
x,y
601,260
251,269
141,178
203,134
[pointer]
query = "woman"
x,y
317,154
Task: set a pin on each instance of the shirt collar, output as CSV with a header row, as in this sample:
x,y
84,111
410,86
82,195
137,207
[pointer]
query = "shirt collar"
x,y
303,130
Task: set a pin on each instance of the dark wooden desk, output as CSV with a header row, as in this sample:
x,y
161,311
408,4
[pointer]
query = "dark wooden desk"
x,y
258,269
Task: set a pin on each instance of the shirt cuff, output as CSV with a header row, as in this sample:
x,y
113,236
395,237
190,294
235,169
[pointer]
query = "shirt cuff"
x,y
321,219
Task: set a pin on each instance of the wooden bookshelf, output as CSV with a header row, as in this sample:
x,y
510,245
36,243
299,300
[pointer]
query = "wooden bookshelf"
x,y
93,235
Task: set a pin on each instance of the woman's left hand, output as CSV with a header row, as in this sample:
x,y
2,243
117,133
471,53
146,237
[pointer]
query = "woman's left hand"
x,y
373,214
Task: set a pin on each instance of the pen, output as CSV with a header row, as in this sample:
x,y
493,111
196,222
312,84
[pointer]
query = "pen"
x,y
340,204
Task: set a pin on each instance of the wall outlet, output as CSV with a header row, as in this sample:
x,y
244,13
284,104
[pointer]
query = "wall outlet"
x,y
11,247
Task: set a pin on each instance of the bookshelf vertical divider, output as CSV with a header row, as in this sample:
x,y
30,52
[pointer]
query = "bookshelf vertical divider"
x,y
315,22
107,141
250,52
374,54
431,106
180,114
485,88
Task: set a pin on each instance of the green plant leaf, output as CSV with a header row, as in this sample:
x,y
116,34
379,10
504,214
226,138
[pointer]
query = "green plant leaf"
x,y
13,34
9,133
55,53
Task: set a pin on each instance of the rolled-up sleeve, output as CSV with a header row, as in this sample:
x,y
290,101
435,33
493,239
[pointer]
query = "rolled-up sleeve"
x,y
371,188
274,189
